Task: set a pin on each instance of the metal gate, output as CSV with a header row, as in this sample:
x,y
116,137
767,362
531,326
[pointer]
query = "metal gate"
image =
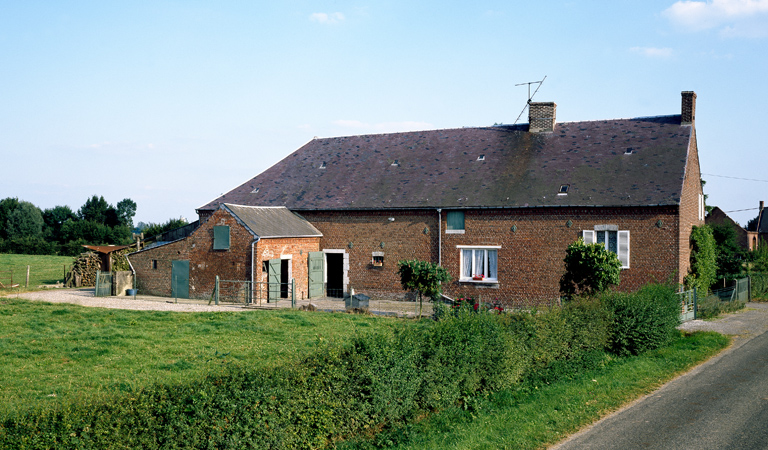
x,y
687,305
103,284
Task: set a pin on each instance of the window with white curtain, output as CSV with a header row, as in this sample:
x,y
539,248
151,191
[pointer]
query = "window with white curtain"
x,y
479,263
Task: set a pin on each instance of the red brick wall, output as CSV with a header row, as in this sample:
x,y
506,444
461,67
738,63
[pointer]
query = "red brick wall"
x,y
530,258
689,208
297,249
404,238
150,281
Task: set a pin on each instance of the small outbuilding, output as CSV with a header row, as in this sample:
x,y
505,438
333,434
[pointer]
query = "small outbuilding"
x,y
237,243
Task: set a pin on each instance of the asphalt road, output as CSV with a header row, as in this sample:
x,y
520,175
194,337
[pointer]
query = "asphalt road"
x,y
721,404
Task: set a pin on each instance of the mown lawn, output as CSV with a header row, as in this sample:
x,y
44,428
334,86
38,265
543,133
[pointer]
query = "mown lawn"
x,y
44,269
53,351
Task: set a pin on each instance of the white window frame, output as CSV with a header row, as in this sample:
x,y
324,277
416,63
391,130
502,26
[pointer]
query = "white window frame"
x,y
464,279
622,241
702,207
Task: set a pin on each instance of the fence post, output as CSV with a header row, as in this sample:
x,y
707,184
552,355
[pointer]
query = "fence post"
x,y
695,303
293,293
216,290
96,290
26,284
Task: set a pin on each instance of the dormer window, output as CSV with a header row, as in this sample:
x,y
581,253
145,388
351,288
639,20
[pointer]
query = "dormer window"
x,y
563,189
396,163
629,151
481,158
322,166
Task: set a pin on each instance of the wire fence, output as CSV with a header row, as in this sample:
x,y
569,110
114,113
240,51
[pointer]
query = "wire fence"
x,y
254,293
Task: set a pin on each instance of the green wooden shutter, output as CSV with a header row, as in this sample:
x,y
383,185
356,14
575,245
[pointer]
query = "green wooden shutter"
x,y
455,220
316,262
221,237
274,279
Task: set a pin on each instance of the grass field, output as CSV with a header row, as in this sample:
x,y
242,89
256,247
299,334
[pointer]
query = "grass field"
x,y
50,352
44,269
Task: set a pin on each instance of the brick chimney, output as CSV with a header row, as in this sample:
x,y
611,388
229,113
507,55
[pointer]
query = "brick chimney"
x,y
688,111
541,117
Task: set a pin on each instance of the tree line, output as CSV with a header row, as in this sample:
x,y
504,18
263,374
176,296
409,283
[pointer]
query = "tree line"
x,y
27,229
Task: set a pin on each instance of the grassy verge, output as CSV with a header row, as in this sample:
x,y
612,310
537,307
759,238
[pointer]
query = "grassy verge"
x,y
54,351
44,269
537,414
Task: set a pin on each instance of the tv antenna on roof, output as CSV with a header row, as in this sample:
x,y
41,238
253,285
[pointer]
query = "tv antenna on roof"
x,y
530,96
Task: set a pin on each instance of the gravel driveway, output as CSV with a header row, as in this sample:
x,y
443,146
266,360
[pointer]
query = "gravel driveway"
x,y
743,325
85,297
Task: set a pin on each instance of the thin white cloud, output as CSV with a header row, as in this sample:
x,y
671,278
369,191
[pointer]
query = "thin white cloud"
x,y
327,18
653,52
382,127
731,17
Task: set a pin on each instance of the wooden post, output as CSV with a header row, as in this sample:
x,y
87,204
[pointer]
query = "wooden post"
x,y
26,285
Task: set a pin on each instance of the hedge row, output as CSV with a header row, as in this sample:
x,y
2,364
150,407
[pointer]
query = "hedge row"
x,y
364,389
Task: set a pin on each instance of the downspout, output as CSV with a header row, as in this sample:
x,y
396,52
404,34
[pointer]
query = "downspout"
x,y
253,255
439,237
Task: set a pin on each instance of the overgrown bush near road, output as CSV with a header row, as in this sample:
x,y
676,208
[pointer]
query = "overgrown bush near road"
x,y
370,388
644,320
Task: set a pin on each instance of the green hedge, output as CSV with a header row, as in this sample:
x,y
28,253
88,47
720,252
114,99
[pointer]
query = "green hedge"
x,y
369,389
644,320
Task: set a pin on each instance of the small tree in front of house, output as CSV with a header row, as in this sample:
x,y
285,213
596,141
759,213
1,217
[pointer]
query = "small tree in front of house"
x,y
424,277
589,269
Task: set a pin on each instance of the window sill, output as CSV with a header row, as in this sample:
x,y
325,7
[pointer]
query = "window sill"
x,y
487,281
454,231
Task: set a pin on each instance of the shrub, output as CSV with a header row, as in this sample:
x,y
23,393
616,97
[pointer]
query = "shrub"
x,y
644,320
589,269
703,259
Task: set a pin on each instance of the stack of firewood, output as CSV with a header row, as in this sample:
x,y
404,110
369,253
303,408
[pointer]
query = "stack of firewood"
x,y
83,272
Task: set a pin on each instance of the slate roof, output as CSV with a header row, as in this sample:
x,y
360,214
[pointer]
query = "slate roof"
x,y
484,167
762,222
272,222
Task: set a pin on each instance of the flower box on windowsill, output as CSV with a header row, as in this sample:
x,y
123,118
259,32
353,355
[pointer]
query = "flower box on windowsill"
x,y
478,278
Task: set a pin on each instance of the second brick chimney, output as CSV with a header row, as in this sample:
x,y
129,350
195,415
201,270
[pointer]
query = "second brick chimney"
x,y
688,111
541,117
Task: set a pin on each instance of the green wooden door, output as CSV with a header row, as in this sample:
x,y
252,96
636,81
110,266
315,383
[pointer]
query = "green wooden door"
x,y
273,278
180,279
316,260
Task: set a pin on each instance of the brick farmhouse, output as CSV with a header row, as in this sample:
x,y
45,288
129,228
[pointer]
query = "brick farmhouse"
x,y
496,206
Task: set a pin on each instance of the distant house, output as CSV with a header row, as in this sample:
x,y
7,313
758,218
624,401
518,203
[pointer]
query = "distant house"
x,y
496,206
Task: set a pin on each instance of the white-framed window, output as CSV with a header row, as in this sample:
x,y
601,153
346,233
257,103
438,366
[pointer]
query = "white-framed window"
x,y
702,208
479,263
454,222
615,240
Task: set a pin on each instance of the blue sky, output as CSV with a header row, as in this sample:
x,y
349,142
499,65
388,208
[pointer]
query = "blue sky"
x,y
174,103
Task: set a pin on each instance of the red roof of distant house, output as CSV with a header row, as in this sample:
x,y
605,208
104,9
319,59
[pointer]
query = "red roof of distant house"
x,y
106,248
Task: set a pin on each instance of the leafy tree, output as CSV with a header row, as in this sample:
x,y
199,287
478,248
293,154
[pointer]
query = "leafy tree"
x,y
729,255
703,273
54,218
153,229
126,209
25,221
424,277
589,269
94,210
752,224
7,206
